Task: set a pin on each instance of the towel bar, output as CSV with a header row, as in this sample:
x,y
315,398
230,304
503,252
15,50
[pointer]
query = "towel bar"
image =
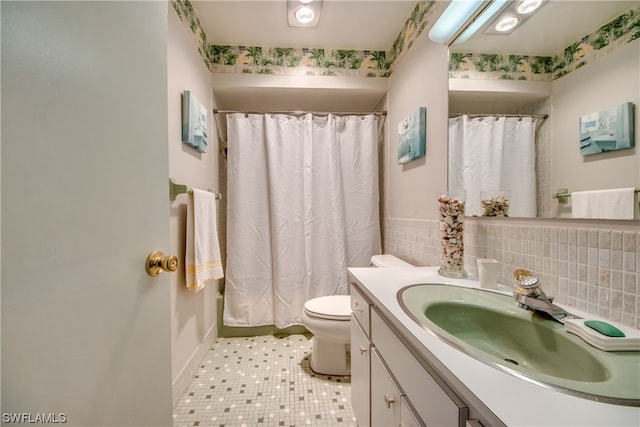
x,y
175,189
563,194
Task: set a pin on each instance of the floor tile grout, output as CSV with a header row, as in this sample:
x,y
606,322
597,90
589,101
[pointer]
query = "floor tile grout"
x,y
264,381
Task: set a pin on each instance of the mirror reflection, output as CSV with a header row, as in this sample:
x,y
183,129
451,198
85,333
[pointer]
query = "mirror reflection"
x,y
516,99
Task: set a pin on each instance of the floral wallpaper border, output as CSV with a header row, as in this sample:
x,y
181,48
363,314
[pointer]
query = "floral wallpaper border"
x,y
308,61
620,31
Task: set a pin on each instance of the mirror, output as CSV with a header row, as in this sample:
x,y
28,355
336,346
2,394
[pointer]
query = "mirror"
x,y
569,59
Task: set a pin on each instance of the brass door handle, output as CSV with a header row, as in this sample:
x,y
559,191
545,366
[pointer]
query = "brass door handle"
x,y
157,262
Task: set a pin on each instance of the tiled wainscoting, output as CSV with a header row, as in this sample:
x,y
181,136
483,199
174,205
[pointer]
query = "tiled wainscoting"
x,y
591,265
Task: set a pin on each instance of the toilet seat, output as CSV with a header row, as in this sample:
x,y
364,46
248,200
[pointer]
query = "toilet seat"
x,y
332,307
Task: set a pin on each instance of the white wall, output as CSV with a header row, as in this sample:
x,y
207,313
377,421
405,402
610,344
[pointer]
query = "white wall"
x,y
193,315
606,83
421,80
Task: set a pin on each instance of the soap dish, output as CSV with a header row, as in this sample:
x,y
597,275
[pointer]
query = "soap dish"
x,y
612,338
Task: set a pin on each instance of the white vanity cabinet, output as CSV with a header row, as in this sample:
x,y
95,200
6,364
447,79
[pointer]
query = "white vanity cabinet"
x,y
360,358
386,399
389,385
360,374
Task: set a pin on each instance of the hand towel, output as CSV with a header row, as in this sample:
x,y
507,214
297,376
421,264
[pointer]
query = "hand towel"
x,y
617,203
202,259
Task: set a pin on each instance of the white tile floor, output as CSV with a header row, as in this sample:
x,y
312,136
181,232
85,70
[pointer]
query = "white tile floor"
x,y
264,381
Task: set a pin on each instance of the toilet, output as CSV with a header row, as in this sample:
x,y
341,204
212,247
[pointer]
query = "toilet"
x,y
328,318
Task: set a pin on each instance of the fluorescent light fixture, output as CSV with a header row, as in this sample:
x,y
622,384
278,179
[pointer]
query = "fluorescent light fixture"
x,y
507,23
479,22
304,13
454,17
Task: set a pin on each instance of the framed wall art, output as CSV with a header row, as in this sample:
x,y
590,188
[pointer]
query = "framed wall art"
x,y
412,136
607,130
194,122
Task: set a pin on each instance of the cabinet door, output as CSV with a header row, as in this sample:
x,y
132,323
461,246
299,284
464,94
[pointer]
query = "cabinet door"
x,y
385,396
407,417
360,371
434,402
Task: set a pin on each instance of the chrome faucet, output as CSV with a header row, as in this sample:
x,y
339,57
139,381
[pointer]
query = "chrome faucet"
x,y
529,296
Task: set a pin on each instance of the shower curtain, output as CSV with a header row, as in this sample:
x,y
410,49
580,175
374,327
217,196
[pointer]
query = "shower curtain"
x,y
494,153
302,207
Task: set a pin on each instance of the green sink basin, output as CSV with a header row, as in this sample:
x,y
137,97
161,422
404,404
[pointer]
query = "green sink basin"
x,y
491,328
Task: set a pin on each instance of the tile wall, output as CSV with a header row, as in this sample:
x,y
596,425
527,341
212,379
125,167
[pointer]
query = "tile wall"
x,y
591,265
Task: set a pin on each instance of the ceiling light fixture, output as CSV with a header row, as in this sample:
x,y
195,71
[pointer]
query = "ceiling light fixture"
x,y
507,23
528,6
514,16
453,19
482,19
304,13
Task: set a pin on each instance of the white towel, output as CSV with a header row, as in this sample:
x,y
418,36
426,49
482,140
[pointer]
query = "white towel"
x,y
202,259
617,203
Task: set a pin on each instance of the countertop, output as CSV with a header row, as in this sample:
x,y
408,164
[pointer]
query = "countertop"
x,y
515,401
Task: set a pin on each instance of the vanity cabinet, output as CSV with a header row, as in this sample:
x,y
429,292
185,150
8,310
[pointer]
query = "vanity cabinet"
x,y
389,385
386,398
360,373
360,358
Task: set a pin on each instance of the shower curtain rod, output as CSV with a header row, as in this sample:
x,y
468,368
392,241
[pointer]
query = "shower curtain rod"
x,y
299,113
535,116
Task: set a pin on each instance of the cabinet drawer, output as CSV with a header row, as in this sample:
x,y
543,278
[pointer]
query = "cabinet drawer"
x,y
386,399
360,307
434,403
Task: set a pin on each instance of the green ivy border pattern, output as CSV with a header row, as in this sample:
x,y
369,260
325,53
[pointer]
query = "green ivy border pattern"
x,y
306,61
620,31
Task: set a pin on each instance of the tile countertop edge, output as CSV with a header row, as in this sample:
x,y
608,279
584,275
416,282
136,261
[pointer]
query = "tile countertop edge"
x,y
514,401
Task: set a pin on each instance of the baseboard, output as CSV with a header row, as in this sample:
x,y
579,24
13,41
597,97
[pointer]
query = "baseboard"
x,y
185,377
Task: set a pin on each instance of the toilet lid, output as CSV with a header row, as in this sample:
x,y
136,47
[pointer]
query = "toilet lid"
x,y
334,307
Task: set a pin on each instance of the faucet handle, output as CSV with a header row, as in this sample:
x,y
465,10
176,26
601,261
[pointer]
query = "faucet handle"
x,y
529,285
529,282
520,273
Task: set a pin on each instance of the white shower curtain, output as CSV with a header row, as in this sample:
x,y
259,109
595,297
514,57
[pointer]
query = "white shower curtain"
x,y
302,207
494,153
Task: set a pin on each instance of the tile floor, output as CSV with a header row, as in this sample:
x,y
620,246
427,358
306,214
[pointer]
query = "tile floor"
x,y
264,381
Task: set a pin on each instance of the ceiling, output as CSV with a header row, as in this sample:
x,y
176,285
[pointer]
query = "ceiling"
x,y
344,24
374,25
554,27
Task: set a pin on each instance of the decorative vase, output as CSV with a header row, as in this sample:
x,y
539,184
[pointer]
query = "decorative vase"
x,y
494,203
451,206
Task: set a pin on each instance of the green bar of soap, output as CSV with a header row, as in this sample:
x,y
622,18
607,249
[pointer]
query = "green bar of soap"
x,y
604,328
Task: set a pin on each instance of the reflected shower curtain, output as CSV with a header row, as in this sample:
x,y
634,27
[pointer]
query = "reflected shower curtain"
x,y
494,153
302,207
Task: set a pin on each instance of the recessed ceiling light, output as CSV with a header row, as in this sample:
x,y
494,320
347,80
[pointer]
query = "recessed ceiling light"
x,y
507,23
304,14
528,6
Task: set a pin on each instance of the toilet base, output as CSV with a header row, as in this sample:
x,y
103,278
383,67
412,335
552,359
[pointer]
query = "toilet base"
x,y
330,358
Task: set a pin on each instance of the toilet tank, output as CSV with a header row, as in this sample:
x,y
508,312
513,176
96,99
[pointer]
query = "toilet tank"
x,y
388,261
